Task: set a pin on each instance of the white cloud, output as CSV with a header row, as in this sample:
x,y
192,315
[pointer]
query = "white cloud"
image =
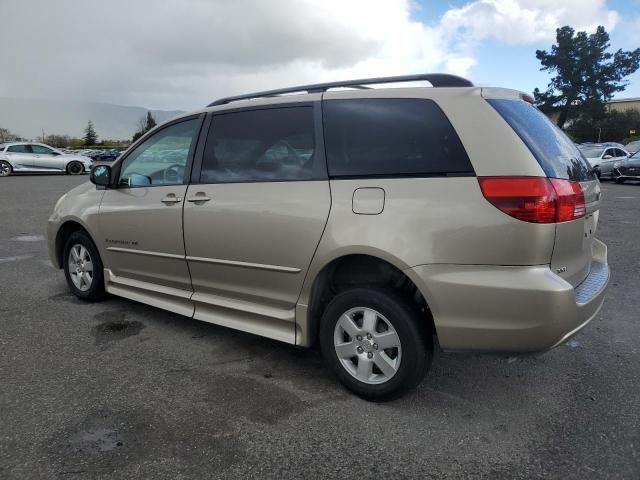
x,y
525,21
185,53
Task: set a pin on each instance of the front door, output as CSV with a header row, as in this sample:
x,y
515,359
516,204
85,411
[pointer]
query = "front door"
x,y
141,220
45,158
255,218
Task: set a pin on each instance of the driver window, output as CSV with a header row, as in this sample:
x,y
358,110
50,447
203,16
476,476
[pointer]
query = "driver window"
x,y
39,149
274,144
162,158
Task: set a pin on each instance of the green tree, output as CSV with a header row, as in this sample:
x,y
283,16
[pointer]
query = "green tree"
x,y
90,136
587,75
612,126
144,125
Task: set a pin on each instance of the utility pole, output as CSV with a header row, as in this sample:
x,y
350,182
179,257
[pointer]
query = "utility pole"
x,y
43,139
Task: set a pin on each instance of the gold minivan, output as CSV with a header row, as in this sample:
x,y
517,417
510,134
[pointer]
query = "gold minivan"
x,y
366,220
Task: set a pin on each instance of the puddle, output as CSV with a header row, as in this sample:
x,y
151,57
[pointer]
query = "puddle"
x,y
103,440
114,327
29,238
116,442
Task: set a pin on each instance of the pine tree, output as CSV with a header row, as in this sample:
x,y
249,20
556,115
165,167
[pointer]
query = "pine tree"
x,y
90,136
144,125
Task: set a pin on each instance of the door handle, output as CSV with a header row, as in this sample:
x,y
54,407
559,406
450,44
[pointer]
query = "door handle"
x,y
171,198
199,197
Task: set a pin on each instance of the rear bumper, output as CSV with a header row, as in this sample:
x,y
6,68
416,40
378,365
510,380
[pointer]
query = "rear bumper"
x,y
511,309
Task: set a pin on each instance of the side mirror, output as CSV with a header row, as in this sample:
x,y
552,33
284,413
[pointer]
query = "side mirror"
x,y
101,175
607,157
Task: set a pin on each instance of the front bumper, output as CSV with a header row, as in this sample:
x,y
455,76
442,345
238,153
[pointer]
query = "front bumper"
x,y
511,309
625,174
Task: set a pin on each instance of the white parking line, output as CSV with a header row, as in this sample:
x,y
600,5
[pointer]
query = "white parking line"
x,y
15,259
28,238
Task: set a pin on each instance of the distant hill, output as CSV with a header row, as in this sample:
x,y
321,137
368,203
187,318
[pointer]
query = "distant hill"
x,y
27,117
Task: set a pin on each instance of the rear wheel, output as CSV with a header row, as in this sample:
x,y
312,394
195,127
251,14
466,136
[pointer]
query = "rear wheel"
x,y
5,169
373,341
75,168
83,267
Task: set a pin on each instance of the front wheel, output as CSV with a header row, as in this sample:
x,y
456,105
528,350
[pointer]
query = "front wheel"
x,y
5,169
619,180
75,168
83,267
376,342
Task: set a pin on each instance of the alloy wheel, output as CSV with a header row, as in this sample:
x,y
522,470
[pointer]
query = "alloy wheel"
x,y
367,345
80,267
5,169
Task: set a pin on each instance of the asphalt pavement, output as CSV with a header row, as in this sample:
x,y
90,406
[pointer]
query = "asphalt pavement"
x,y
123,390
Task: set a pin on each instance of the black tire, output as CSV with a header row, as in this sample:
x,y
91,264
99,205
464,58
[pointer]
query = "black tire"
x,y
96,290
619,180
598,173
5,169
410,325
75,168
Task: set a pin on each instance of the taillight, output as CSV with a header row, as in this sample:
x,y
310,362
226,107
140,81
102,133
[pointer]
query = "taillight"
x,y
535,199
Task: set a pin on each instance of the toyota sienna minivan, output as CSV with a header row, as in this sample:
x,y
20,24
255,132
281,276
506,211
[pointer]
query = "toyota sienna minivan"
x,y
368,221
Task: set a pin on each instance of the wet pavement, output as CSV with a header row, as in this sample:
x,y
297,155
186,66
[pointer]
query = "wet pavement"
x,y
122,390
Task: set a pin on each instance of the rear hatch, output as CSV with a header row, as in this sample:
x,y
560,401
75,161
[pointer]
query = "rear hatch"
x,y
559,158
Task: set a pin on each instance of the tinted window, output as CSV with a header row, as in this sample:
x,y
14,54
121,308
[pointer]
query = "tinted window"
x,y
557,155
162,158
369,137
261,145
620,153
39,149
19,149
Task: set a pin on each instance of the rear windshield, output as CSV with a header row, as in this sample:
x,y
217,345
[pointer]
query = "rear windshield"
x,y
557,155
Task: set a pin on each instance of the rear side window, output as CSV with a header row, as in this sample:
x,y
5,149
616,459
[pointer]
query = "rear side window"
x,y
273,144
391,137
556,153
19,149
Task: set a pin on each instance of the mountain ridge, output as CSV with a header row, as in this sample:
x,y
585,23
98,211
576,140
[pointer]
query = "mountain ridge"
x,y
28,117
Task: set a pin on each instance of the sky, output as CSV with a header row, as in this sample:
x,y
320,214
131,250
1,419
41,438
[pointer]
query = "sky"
x,y
184,54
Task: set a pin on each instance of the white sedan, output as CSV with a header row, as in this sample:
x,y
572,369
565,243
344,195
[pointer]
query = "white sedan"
x,y
603,157
27,157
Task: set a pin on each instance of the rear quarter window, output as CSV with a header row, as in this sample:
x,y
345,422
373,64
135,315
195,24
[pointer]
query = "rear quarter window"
x,y
391,137
555,152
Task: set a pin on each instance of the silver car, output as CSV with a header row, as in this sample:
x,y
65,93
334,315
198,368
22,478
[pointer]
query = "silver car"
x,y
27,157
602,157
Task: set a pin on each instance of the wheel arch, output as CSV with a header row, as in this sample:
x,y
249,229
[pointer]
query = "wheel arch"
x,y
351,270
66,229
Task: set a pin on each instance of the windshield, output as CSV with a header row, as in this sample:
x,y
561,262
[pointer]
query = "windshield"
x,y
591,152
636,156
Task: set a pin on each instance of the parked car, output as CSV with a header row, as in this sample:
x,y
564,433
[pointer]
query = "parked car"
x,y
460,212
628,169
25,157
602,157
633,147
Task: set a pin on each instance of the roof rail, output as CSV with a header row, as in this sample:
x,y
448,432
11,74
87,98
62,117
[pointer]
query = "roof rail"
x,y
436,80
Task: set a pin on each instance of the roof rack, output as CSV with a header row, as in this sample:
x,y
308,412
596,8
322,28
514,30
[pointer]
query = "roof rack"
x,y
436,80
